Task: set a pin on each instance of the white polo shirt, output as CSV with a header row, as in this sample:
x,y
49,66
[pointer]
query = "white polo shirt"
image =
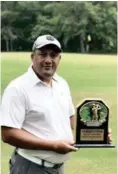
x,y
42,110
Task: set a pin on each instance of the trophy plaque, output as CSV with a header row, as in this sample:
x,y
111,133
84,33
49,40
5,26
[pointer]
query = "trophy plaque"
x,y
92,124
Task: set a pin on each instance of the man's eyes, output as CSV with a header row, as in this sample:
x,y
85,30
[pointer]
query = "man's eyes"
x,y
45,55
42,54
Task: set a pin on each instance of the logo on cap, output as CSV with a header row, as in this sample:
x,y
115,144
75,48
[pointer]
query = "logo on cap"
x,y
49,37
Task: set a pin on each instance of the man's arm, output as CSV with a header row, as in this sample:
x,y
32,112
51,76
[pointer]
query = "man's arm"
x,y
72,122
23,139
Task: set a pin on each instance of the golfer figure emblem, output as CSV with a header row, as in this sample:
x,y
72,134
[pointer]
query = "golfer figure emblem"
x,y
95,108
93,113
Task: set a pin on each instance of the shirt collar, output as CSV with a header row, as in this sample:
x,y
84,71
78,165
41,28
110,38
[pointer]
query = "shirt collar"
x,y
56,77
35,80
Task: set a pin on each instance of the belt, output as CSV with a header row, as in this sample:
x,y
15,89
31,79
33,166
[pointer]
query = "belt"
x,y
44,163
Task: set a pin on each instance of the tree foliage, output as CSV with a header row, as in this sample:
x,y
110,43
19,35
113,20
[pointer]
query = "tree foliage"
x,y
72,22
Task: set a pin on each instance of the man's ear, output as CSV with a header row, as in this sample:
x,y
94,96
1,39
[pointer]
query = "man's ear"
x,y
60,57
32,56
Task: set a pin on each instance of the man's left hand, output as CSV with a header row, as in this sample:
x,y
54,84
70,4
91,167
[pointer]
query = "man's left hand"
x,y
109,138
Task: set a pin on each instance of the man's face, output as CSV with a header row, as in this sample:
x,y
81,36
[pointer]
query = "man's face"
x,y
45,61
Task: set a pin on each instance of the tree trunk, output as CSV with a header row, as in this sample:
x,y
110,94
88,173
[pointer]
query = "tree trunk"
x,y
87,47
82,48
11,45
7,44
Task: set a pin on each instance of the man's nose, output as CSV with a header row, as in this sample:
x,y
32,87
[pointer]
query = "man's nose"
x,y
48,59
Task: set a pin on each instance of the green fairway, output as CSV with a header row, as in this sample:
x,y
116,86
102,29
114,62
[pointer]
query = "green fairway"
x,y
87,76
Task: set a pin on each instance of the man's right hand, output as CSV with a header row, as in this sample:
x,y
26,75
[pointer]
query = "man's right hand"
x,y
63,147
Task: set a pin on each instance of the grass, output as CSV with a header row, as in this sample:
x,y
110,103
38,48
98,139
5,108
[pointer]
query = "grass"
x,y
88,76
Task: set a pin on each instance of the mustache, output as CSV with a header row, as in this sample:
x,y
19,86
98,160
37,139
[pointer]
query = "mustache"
x,y
47,66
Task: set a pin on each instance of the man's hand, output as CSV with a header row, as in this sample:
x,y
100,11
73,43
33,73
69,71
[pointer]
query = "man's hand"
x,y
109,138
63,147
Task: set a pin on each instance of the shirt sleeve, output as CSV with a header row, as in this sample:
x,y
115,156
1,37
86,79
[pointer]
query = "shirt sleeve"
x,y
71,107
12,109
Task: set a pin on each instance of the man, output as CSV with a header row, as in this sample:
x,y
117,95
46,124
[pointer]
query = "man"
x,y
38,114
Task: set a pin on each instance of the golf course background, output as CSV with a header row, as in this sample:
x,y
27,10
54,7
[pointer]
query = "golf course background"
x,y
87,76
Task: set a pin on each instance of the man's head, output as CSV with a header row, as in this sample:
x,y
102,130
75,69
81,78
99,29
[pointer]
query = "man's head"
x,y
46,56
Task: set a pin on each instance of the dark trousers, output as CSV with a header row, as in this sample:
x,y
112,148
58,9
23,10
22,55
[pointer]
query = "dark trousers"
x,y
20,165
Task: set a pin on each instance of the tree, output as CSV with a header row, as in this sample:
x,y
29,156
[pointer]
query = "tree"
x,y
81,26
7,29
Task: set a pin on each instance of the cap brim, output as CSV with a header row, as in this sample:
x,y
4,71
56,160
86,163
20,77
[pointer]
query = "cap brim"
x,y
43,45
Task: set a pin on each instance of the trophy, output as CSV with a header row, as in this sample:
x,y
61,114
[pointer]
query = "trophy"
x,y
92,124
